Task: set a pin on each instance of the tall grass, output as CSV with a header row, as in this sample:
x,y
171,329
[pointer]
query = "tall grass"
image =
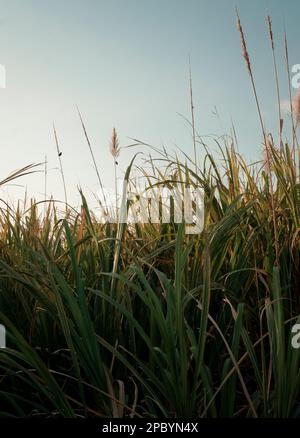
x,y
150,321
144,320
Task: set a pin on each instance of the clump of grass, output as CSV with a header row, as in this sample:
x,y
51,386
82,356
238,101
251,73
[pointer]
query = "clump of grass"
x,y
265,137
296,109
136,324
143,320
93,159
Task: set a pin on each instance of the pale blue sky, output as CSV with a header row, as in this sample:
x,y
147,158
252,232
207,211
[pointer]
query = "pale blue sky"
x,y
125,63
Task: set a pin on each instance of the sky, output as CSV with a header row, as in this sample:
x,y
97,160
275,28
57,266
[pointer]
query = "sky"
x,y
125,64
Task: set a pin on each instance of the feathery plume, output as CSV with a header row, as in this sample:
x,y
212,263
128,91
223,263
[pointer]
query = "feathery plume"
x,y
269,21
114,145
296,108
243,43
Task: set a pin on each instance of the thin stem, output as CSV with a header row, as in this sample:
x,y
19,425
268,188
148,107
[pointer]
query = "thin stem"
x,y
92,155
276,80
46,177
192,113
59,154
